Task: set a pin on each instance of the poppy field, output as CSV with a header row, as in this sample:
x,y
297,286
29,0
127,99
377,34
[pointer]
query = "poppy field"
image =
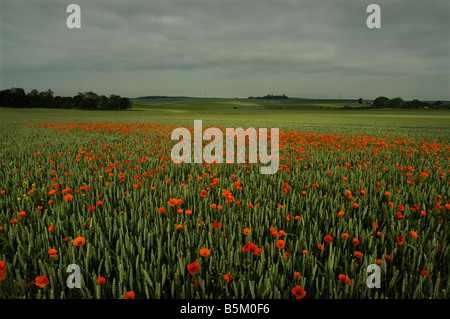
x,y
106,196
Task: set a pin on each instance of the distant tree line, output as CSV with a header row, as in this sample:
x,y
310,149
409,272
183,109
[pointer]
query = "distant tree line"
x,y
384,102
17,98
269,97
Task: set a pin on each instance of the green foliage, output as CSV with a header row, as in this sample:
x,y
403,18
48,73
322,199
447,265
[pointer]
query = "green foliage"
x,y
141,250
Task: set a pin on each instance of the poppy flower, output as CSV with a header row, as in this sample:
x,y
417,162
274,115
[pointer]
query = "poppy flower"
x,y
79,241
161,210
399,215
280,244
355,241
68,197
297,276
52,253
341,214
328,238
227,277
91,208
414,234
320,246
129,295
22,214
298,292
247,231
217,225
357,254
287,254
205,252
424,273
193,267
203,193
400,240
252,248
179,226
101,280
41,281
344,235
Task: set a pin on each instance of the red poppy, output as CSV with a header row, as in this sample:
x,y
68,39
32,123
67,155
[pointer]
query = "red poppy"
x,y
298,292
22,214
79,241
400,240
193,267
53,253
129,295
227,277
41,281
101,280
424,273
252,248
280,244
328,238
205,252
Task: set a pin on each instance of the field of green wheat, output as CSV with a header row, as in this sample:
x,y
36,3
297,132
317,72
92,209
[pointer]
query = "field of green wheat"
x,y
99,190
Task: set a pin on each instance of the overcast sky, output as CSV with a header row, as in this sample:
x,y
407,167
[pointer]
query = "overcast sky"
x,y
228,48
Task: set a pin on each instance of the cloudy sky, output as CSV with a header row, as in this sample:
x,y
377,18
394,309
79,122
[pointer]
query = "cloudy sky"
x,y
228,48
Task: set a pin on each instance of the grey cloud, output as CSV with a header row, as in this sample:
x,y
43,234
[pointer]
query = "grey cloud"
x,y
174,45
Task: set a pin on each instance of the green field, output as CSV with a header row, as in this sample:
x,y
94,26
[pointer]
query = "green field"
x,y
302,114
378,177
